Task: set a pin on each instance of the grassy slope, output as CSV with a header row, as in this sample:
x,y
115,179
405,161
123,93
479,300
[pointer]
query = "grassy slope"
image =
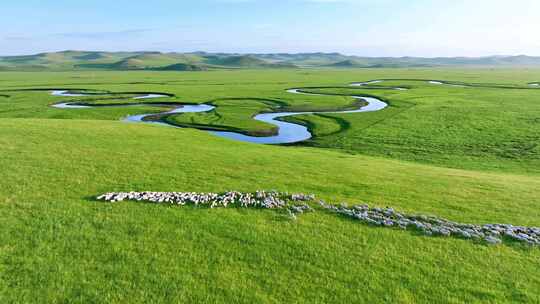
x,y
88,251
57,244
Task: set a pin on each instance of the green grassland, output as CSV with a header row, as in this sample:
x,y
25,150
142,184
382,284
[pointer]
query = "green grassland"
x,y
480,128
468,154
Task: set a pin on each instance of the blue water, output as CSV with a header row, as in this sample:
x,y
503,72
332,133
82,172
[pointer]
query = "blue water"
x,y
287,132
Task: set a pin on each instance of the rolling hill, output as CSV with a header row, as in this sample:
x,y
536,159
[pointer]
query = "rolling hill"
x,y
197,61
182,67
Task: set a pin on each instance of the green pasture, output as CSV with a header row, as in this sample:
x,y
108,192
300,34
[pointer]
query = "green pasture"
x,y
469,154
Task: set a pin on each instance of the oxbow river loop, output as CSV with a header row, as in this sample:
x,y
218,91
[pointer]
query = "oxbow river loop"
x,y
288,132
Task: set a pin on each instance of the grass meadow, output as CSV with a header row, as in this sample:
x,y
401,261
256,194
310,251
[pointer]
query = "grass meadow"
x,y
469,154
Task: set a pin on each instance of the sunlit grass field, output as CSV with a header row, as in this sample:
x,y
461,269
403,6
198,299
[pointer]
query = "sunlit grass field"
x,y
467,154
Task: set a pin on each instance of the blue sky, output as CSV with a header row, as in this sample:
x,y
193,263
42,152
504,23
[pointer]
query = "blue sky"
x,y
369,28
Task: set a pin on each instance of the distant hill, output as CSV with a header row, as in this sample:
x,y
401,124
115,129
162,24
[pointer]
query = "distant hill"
x,y
377,63
349,63
92,56
129,64
238,61
199,61
182,67
246,61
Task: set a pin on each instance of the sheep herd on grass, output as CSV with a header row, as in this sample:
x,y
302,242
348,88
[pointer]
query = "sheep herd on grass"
x,y
295,204
430,225
259,199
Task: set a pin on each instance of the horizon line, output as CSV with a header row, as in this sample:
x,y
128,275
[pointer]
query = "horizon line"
x,y
268,53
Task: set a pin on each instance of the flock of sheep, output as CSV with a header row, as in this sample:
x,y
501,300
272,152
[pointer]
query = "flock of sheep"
x,y
296,204
429,225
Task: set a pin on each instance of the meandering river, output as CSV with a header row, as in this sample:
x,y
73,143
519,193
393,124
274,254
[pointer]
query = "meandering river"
x,y
287,132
